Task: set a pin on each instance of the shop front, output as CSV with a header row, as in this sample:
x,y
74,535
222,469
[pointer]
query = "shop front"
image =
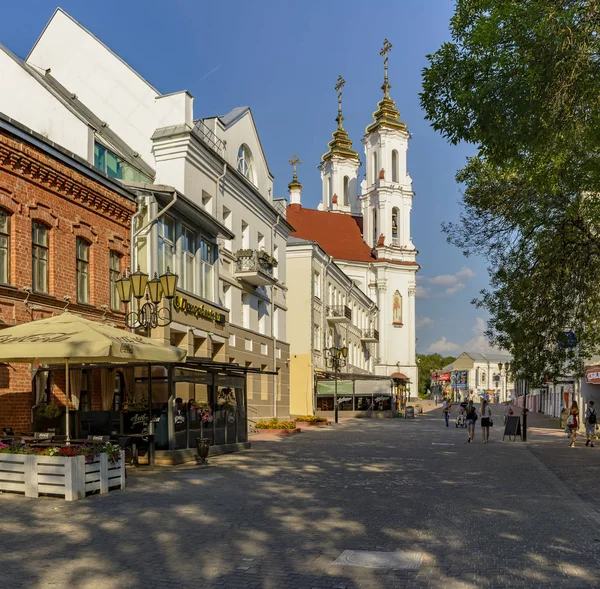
x,y
357,395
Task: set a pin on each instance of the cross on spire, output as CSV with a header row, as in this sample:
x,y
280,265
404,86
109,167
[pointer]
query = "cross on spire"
x,y
338,88
295,162
387,47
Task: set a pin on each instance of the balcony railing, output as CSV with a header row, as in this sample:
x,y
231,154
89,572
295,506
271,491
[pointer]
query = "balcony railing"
x,y
370,335
204,133
339,313
255,267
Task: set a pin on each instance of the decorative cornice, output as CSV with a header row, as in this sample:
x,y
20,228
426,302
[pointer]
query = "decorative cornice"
x,y
81,191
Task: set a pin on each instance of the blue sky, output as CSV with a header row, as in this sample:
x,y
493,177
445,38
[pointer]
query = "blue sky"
x,y
283,59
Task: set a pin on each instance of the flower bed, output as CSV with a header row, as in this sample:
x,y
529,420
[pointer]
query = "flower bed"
x,y
274,426
311,421
69,471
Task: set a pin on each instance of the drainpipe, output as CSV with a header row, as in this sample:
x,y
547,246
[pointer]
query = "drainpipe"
x,y
273,323
219,178
157,216
132,238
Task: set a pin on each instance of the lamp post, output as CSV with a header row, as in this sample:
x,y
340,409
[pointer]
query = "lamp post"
x,y
336,358
149,314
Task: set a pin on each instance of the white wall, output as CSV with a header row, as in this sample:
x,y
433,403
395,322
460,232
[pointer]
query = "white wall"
x,y
24,99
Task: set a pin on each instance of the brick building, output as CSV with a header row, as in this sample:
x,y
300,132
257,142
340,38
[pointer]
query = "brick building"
x,y
64,239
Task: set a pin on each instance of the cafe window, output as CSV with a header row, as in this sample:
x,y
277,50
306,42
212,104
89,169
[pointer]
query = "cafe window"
x,y
39,252
166,240
4,247
188,248
83,271
115,273
85,402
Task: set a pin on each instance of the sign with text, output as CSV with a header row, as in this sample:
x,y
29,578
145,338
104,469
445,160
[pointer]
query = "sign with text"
x,y
199,311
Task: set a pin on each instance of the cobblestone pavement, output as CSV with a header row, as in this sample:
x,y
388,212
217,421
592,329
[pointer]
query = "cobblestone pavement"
x,y
278,516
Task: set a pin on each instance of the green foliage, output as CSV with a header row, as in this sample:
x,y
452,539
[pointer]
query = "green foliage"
x,y
427,364
49,411
275,424
520,81
311,419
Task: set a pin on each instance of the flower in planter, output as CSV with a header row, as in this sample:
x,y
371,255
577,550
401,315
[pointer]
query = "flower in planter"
x,y
203,410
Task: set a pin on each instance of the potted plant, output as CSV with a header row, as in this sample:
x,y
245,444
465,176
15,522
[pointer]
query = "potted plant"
x,y
203,410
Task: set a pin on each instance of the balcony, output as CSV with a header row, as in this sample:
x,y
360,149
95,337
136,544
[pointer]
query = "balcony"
x,y
339,314
370,336
255,267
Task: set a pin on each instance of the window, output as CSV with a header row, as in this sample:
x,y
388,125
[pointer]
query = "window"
x,y
245,163
39,257
245,235
375,168
346,191
375,236
188,249
329,190
394,166
317,337
4,247
207,274
166,240
261,241
317,285
246,310
115,273
83,271
395,223
262,317
115,167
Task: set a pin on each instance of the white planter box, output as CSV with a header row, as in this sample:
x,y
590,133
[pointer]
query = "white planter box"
x,y
69,477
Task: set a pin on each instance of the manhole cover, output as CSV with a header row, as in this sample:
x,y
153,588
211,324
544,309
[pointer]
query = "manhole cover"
x,y
381,560
198,475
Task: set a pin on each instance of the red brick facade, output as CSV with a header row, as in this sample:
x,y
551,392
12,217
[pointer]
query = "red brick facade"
x,y
37,187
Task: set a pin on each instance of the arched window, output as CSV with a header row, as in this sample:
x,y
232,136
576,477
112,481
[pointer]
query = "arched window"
x,y
4,247
375,235
394,166
329,190
375,168
346,191
245,163
395,219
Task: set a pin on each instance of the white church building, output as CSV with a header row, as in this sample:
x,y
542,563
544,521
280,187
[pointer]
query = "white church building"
x,y
365,227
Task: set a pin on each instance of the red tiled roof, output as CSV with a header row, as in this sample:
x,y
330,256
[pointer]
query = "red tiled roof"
x,y
337,233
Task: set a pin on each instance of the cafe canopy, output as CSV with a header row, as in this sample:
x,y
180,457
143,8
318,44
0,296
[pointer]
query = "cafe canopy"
x,y
72,339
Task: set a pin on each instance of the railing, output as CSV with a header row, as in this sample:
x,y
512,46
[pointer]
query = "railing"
x,y
370,334
254,261
339,311
208,137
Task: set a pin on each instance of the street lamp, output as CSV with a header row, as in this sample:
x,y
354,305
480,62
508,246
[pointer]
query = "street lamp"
x,y
336,359
149,314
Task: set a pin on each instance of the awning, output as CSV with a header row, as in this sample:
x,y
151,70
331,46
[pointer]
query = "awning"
x,y
399,375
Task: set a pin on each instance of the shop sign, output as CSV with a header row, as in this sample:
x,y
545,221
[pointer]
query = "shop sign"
x,y
380,399
344,400
592,376
182,305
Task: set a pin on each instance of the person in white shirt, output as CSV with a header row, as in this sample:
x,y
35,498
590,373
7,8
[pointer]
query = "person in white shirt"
x,y
486,415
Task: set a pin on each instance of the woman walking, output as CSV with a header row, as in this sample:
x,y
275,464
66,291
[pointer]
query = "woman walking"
x,y
573,423
471,419
486,415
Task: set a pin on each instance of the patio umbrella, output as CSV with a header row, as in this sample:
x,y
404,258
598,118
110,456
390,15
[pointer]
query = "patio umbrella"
x,y
74,340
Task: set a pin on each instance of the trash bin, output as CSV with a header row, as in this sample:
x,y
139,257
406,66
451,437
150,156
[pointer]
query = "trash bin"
x,y
410,412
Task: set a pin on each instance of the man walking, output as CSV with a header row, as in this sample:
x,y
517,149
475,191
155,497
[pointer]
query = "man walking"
x,y
591,422
446,406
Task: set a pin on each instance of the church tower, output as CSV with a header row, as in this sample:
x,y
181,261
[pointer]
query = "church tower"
x,y
386,202
387,193
339,168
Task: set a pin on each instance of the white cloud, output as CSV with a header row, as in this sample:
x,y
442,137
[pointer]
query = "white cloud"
x,y
442,346
449,284
424,322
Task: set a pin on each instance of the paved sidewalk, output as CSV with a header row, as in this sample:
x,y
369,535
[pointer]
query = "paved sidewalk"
x,y
279,515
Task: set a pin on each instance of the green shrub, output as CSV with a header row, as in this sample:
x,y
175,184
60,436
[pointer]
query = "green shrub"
x,y
275,424
311,419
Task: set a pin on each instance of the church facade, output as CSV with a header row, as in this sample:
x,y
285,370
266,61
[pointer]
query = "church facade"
x,y
365,227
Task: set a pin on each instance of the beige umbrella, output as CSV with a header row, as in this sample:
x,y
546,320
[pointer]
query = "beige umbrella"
x,y
75,340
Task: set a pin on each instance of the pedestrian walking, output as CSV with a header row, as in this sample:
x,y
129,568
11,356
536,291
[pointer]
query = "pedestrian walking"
x,y
471,419
446,407
591,423
573,423
486,420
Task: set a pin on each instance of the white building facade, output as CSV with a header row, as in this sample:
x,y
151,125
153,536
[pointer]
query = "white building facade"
x,y
373,244
205,202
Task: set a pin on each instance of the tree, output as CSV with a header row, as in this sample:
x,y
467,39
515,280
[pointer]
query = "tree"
x,y
427,364
520,80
